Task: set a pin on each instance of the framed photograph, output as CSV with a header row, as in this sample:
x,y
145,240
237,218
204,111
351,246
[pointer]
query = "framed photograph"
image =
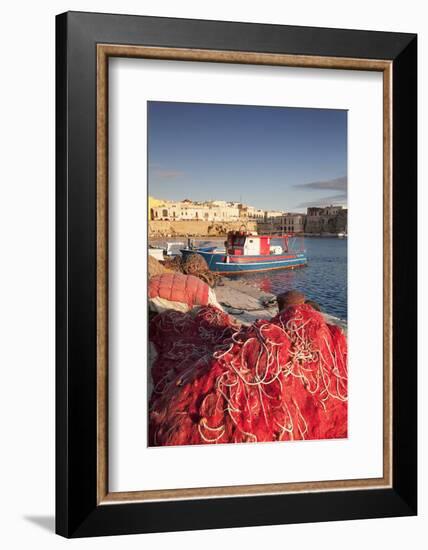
x,y
236,274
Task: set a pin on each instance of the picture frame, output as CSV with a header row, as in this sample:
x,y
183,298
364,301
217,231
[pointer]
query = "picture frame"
x,y
84,44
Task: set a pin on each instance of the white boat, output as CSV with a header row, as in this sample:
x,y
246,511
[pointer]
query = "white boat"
x,y
156,252
159,252
173,248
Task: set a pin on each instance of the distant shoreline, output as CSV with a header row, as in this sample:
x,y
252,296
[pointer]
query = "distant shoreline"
x,y
205,229
224,235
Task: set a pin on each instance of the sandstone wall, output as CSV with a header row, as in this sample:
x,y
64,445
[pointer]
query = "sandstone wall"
x,y
195,228
327,224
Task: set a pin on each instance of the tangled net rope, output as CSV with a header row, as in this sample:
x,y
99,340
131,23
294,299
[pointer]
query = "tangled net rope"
x,y
193,264
277,380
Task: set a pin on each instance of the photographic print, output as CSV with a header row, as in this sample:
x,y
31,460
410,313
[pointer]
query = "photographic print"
x,y
206,283
247,274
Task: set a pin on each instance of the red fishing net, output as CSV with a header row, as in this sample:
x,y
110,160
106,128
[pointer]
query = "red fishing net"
x,y
177,287
276,380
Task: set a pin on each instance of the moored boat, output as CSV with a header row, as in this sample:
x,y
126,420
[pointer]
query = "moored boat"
x,y
156,252
161,252
246,252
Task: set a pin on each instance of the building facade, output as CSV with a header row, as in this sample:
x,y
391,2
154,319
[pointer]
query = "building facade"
x,y
331,219
294,223
273,215
287,222
317,220
250,213
215,211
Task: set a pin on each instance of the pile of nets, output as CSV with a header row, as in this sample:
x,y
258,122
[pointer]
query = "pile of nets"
x,y
173,263
193,264
179,292
155,267
184,344
214,382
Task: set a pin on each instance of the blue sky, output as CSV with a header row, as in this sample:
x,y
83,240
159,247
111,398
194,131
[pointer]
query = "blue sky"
x,y
269,157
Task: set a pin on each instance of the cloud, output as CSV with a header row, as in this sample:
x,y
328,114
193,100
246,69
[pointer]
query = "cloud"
x,y
337,184
326,201
165,174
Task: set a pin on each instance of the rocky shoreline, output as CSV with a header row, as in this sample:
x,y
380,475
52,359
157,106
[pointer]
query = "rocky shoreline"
x,y
246,303
195,228
242,300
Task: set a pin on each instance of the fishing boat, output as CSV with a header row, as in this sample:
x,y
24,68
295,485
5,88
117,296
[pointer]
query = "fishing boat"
x,y
247,252
159,252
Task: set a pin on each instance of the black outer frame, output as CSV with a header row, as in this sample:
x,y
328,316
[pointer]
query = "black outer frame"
x,y
77,513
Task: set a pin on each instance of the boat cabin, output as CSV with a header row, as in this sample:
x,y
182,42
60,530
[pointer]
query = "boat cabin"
x,y
241,243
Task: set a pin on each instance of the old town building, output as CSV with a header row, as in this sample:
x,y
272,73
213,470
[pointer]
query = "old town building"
x,y
331,219
317,220
214,211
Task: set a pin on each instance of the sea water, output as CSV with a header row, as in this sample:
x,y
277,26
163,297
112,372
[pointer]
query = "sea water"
x,y
323,280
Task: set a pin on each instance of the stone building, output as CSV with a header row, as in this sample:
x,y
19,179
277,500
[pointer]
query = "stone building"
x,y
273,215
251,213
215,211
288,222
314,220
331,219
294,223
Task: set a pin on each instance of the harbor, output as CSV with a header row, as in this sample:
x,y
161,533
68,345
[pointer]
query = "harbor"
x,y
323,280
232,363
247,274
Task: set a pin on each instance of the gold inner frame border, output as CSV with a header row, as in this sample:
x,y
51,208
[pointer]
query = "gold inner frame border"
x,y
104,52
